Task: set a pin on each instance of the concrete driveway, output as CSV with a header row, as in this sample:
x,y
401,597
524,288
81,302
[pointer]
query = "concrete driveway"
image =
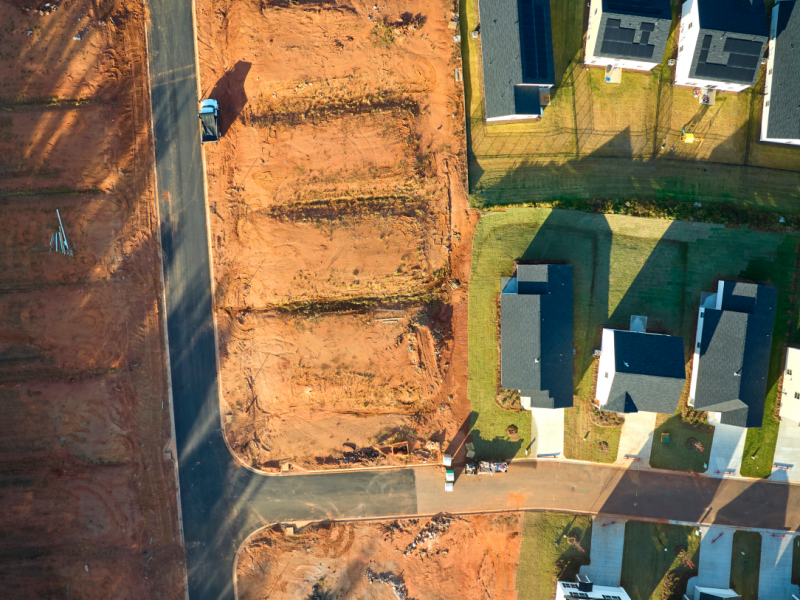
x,y
787,452
547,432
608,541
637,440
726,449
775,575
714,569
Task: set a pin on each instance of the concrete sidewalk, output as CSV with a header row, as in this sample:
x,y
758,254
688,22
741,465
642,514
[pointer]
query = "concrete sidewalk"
x,y
714,569
787,452
547,432
726,449
775,575
608,540
637,440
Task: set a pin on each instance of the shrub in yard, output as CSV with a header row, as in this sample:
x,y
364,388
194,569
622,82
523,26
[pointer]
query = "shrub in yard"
x,y
602,418
675,584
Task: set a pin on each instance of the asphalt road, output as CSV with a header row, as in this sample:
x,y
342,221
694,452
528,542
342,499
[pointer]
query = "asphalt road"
x,y
222,503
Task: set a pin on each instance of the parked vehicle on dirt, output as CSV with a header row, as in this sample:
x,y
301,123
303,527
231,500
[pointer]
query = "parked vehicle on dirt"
x,y
209,121
484,467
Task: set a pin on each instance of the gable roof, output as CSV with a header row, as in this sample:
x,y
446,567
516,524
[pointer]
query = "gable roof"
x,y
634,29
731,40
735,352
517,50
784,116
650,373
536,334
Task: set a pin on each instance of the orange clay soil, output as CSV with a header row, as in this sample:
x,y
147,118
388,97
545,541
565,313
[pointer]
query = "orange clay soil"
x,y
84,479
339,223
468,557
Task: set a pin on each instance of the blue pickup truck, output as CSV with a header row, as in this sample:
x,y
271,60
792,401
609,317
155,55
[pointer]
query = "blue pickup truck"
x,y
209,121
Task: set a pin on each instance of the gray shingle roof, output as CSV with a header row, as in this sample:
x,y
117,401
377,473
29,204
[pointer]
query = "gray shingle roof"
x,y
731,41
634,29
784,107
735,352
517,48
650,373
536,334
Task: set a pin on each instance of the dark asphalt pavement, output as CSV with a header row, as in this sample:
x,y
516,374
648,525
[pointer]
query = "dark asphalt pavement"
x,y
222,503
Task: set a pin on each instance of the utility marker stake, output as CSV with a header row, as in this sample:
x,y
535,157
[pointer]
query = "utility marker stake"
x,y
64,235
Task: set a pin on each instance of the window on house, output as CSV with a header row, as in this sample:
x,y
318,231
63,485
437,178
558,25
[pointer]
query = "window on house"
x,y
698,345
797,395
588,37
595,11
681,49
690,26
767,103
702,312
770,71
788,371
606,375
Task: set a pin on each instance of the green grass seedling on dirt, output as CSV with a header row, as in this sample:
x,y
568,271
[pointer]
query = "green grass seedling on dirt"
x,y
546,554
622,266
650,556
746,563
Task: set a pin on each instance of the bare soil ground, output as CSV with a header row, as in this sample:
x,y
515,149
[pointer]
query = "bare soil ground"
x,y
88,494
471,558
339,218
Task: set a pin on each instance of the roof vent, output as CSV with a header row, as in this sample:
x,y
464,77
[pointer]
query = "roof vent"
x,y
584,583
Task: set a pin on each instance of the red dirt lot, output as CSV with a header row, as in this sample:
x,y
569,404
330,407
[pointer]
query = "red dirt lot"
x,y
338,218
88,492
468,557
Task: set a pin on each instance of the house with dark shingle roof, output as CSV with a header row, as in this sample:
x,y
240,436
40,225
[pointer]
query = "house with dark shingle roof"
x,y
780,121
732,352
628,34
517,54
640,371
721,43
536,335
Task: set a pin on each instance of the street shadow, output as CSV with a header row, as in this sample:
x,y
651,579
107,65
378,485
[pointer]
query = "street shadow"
x,y
230,93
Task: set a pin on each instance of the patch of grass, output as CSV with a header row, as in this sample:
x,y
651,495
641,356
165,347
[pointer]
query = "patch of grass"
x,y
649,556
546,555
676,455
745,567
621,266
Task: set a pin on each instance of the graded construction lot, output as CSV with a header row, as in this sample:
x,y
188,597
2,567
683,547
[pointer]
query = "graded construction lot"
x,y
599,140
506,555
622,266
330,196
88,494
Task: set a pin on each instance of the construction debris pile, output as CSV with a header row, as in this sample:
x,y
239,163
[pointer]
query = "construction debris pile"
x,y
437,525
359,455
389,579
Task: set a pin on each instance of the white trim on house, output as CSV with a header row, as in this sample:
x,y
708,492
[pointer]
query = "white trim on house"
x,y
598,591
593,32
712,301
687,42
790,392
773,34
607,367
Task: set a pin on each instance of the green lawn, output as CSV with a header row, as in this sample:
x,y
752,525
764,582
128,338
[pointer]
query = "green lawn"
x,y
545,552
675,455
745,564
621,266
649,556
